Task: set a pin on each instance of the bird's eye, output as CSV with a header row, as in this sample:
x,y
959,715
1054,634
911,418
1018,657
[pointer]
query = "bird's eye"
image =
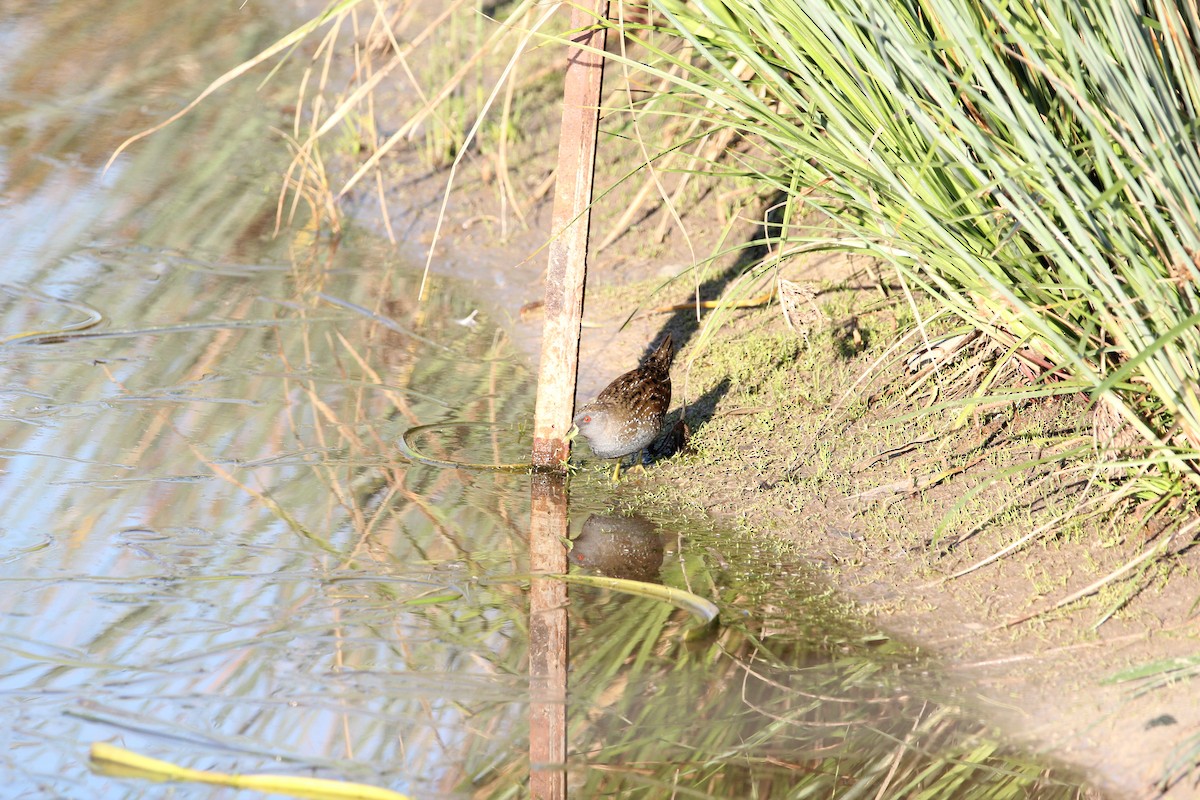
x,y
588,418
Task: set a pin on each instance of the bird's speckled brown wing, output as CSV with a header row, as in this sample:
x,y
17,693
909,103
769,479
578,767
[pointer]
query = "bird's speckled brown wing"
x,y
629,412
640,394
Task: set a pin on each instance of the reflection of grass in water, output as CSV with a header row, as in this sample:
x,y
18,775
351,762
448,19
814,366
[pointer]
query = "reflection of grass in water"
x,y
298,657
752,727
723,722
802,704
445,528
156,58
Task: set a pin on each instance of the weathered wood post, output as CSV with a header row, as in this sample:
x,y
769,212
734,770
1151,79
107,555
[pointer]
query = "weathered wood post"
x,y
568,249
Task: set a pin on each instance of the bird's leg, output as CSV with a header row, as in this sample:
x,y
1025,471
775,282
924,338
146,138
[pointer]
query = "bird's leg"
x,y
641,460
639,464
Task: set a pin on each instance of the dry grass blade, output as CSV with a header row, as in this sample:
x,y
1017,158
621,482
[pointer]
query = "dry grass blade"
x,y
800,311
1147,554
287,42
411,124
508,68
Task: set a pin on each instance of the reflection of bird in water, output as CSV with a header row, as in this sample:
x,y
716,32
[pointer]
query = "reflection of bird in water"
x,y
619,547
628,414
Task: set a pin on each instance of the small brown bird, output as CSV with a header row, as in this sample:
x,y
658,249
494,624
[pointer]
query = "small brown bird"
x,y
627,416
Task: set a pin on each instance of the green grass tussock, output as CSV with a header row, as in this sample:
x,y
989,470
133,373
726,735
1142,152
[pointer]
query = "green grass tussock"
x,y
1032,166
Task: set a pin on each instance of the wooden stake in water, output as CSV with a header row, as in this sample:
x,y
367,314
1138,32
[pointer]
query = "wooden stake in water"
x,y
568,250
548,637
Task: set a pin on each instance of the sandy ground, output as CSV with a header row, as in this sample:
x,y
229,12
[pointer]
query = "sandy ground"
x,y
787,445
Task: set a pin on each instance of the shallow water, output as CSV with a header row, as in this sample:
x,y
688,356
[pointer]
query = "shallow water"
x,y
214,553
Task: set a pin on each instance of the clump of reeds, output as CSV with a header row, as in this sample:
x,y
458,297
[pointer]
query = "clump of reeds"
x,y
1033,166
